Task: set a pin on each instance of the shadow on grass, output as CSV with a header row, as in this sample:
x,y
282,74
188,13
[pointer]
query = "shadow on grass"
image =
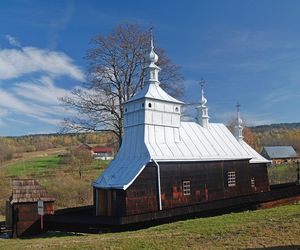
x,y
52,234
294,247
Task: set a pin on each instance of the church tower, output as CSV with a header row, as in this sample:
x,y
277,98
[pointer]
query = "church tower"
x,y
152,105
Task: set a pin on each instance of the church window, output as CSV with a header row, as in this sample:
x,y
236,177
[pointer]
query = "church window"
x,y
253,182
149,105
231,179
176,109
186,187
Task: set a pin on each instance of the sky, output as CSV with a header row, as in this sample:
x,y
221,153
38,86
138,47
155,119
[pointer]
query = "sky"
x,y
247,51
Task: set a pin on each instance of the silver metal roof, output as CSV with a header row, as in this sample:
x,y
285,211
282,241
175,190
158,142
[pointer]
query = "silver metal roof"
x,y
154,91
143,143
276,152
256,157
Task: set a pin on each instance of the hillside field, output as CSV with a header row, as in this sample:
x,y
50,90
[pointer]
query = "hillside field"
x,y
277,227
60,177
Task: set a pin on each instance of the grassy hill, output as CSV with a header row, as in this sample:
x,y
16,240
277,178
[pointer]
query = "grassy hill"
x,y
277,227
59,176
33,166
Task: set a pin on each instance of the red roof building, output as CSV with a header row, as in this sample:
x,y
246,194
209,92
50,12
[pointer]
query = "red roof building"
x,y
102,153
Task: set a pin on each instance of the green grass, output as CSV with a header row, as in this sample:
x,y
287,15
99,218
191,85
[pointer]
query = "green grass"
x,y
276,227
282,173
33,166
100,164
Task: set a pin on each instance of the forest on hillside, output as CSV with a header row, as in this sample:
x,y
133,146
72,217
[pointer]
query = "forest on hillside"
x,y
284,134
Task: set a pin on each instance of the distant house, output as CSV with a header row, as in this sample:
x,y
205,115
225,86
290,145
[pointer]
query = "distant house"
x,y
102,153
280,154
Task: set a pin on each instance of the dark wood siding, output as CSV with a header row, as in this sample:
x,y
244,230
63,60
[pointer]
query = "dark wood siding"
x,y
260,173
26,220
110,202
208,182
141,196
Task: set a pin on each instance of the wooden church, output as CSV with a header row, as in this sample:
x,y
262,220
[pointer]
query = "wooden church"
x,y
164,163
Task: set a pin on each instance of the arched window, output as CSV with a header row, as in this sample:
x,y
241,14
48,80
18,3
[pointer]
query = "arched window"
x,y
176,109
125,110
149,105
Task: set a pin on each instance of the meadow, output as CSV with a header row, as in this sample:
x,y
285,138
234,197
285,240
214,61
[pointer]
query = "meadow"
x,y
276,228
282,173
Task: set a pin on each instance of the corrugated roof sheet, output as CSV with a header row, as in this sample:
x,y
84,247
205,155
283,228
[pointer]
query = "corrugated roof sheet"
x,y
281,152
191,142
28,190
256,157
153,91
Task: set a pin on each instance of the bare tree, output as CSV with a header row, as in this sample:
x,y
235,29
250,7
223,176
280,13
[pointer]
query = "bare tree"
x,y
117,64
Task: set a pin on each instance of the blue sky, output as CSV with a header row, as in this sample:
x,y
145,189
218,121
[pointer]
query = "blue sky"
x,y
248,51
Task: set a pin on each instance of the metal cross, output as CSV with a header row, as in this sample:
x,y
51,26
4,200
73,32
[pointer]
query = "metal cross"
x,y
202,82
238,105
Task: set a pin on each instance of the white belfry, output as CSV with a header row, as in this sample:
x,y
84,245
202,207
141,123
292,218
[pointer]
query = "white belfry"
x,y
202,108
238,129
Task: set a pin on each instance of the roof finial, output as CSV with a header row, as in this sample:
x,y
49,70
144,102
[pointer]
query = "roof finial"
x,y
153,58
151,36
202,109
203,100
239,122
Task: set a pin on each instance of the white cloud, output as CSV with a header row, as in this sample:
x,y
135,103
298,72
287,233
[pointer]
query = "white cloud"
x,y
12,41
36,98
60,22
3,113
42,90
17,62
48,113
48,120
18,121
10,102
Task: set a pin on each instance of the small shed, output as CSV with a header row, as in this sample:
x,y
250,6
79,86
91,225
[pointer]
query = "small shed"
x,y
280,154
22,207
